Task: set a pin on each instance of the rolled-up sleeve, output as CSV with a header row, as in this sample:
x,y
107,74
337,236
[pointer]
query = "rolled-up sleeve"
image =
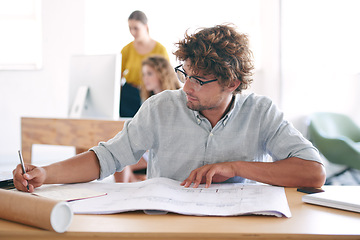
x,y
283,140
116,153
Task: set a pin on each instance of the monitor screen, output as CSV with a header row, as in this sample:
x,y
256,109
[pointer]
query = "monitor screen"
x,y
94,87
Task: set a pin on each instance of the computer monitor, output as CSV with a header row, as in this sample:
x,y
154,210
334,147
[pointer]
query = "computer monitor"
x,y
94,87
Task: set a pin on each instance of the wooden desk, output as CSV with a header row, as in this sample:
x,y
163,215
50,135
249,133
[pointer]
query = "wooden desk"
x,y
307,222
81,133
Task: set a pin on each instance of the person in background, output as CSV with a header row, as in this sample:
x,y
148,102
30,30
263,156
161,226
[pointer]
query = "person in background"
x,y
209,131
157,75
132,56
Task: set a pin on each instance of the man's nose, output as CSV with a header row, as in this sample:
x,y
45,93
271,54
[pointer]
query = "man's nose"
x,y
187,85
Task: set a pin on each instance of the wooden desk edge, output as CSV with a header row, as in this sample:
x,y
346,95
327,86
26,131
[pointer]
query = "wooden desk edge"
x,y
175,235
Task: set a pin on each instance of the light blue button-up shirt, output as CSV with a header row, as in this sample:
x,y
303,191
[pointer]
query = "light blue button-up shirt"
x,y
180,140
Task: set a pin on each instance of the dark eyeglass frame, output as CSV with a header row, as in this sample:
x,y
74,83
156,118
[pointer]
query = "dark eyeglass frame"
x,y
177,69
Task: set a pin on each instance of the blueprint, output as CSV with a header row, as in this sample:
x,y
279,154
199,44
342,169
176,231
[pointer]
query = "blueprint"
x,y
166,195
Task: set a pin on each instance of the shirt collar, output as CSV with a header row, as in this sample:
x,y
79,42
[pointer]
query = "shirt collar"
x,y
225,119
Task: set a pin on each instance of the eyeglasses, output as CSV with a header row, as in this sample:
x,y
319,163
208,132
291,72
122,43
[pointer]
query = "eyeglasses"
x,y
182,76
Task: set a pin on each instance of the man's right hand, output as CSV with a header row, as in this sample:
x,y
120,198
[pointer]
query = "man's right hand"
x,y
35,176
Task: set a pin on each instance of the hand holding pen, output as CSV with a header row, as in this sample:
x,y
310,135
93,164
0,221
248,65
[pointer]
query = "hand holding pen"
x,y
27,178
23,167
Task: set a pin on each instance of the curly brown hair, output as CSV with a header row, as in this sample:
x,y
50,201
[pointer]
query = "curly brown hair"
x,y
221,51
164,71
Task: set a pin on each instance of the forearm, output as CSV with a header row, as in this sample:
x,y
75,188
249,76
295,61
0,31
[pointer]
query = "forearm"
x,y
141,164
291,172
80,168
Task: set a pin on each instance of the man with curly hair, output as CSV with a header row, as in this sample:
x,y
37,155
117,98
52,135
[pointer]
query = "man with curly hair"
x,y
206,132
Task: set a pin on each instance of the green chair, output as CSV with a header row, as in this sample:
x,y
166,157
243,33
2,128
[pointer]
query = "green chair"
x,y
337,137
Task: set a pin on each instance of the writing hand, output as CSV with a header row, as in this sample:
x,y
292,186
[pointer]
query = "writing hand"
x,y
35,176
207,174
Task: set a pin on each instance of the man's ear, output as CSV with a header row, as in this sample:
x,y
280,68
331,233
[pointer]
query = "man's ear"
x,y
234,85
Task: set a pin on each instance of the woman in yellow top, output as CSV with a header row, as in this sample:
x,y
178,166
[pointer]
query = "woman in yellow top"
x,y
133,54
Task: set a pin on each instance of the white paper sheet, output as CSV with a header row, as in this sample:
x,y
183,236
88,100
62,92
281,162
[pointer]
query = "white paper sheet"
x,y
67,192
167,195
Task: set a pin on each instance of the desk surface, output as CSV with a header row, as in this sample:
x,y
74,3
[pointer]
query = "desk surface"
x,y
307,221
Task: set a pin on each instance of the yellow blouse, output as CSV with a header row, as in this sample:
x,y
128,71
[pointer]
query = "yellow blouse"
x,y
131,62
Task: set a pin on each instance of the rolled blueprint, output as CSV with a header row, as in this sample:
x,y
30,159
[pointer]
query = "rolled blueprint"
x,y
35,211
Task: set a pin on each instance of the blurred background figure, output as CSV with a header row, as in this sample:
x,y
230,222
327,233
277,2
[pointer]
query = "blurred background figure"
x,y
133,53
158,75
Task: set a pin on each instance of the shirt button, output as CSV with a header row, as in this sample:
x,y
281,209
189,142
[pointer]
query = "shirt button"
x,y
211,134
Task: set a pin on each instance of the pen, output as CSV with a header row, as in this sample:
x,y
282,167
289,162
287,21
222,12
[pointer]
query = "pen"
x,y
23,167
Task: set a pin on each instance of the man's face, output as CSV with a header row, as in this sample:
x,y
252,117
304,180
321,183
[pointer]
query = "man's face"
x,y
210,96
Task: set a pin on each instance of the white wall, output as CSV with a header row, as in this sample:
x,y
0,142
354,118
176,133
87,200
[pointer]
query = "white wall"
x,y
106,29
42,93
320,58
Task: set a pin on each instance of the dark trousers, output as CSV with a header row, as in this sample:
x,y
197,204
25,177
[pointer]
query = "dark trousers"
x,y
130,100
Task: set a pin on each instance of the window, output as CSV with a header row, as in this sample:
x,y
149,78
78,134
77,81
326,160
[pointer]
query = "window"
x,y
21,35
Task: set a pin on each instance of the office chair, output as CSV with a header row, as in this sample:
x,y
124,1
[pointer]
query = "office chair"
x,y
337,137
